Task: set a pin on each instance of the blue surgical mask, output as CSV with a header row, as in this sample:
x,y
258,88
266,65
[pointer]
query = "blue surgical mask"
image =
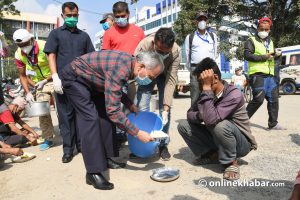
x,y
122,22
143,81
105,26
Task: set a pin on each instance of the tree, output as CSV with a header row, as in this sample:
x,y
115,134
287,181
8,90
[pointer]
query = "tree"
x,y
284,13
7,6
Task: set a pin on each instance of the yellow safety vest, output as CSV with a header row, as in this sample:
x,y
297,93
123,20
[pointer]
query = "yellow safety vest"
x,y
42,69
266,67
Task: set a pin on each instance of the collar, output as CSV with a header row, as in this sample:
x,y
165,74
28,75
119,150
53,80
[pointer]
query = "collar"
x,y
65,27
206,33
36,49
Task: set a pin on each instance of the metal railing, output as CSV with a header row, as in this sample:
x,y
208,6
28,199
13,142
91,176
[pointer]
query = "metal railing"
x,y
8,68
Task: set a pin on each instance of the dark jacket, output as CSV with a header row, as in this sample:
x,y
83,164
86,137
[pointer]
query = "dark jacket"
x,y
230,106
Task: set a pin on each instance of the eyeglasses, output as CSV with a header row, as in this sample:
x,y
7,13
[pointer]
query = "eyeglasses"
x,y
71,15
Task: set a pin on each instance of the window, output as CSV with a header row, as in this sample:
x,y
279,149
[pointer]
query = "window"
x,y
283,60
295,59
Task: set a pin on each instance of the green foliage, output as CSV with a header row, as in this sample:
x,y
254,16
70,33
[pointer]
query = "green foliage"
x,y
284,13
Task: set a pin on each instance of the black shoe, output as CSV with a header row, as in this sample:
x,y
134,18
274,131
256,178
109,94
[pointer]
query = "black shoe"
x,y
67,158
111,164
164,153
98,181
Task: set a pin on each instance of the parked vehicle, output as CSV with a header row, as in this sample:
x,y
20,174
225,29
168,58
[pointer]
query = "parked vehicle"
x,y
290,69
183,83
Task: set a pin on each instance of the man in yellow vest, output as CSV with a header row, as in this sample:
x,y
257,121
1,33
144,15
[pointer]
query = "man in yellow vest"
x,y
32,61
260,54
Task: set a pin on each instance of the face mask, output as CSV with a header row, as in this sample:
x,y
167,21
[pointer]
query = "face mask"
x,y
143,81
71,21
202,25
105,26
263,34
27,49
122,22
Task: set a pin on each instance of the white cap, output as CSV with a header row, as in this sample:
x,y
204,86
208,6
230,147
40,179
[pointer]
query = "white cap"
x,y
21,36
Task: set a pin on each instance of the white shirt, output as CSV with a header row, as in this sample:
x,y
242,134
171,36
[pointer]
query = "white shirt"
x,y
201,48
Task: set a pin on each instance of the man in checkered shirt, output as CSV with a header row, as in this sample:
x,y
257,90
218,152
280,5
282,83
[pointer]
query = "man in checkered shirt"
x,y
93,84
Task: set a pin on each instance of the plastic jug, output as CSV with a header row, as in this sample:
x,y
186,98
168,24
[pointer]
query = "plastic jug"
x,y
145,121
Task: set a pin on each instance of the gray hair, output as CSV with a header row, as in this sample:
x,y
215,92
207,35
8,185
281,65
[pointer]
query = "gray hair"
x,y
151,60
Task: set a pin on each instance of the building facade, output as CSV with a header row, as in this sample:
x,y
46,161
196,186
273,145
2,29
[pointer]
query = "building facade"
x,y
37,24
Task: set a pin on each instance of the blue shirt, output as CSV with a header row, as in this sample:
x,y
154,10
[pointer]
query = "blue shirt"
x,y
67,45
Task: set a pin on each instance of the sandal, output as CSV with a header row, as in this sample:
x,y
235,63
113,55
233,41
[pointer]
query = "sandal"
x,y
207,159
232,169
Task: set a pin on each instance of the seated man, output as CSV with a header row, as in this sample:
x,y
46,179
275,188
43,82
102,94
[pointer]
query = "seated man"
x,y
217,128
7,150
9,132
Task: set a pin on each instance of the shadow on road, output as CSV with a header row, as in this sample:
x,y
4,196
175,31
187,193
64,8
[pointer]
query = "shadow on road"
x,y
295,138
184,197
255,188
5,166
258,126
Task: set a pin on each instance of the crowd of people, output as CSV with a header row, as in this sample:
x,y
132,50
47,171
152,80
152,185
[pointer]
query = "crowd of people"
x,y
92,89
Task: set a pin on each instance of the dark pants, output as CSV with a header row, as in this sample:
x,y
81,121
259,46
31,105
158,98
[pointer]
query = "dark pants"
x,y
264,88
97,132
67,125
194,89
11,138
225,138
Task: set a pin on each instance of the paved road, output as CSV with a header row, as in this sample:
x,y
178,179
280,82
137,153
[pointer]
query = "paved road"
x,y
276,161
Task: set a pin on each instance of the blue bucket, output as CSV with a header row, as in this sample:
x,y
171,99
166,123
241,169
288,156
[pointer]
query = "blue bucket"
x,y
145,121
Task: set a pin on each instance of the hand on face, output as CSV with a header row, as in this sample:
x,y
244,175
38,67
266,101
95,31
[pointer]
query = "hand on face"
x,y
207,79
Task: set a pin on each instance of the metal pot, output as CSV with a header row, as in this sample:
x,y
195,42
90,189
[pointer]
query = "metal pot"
x,y
37,109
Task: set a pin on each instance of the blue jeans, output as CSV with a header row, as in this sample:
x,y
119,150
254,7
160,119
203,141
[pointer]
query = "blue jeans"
x,y
264,87
143,97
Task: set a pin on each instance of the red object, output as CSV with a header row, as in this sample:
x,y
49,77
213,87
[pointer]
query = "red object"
x,y
7,118
265,19
123,39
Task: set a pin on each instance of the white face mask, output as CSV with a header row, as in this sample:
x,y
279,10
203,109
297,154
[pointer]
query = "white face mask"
x,y
263,34
202,25
27,49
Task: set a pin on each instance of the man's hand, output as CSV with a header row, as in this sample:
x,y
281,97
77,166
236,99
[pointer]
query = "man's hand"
x,y
207,78
144,137
270,56
4,145
164,116
57,84
16,151
133,108
41,84
29,97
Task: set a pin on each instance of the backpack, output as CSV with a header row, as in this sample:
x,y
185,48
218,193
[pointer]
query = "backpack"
x,y
191,37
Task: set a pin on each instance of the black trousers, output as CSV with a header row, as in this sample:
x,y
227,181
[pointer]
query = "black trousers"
x,y
264,87
96,130
67,125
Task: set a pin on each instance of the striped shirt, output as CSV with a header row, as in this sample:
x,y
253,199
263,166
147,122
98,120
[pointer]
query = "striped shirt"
x,y
107,72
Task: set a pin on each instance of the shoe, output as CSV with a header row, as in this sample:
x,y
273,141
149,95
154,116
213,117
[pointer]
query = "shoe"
x,y
98,181
46,145
164,153
67,158
277,127
111,164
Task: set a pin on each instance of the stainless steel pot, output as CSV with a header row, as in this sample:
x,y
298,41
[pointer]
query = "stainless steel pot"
x,y
37,109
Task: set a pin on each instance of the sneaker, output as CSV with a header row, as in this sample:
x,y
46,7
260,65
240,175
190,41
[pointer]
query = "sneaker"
x,y
277,127
164,153
46,145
